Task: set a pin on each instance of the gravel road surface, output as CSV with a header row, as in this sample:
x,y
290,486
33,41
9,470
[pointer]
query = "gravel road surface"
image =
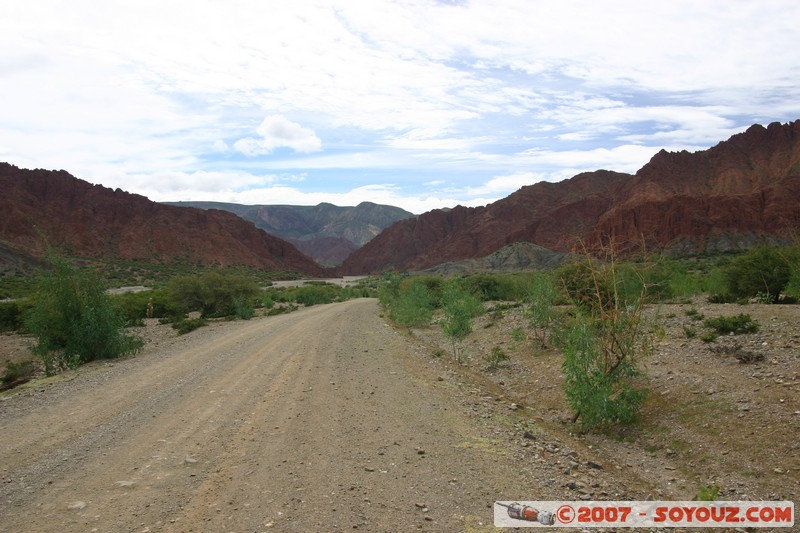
x,y
319,420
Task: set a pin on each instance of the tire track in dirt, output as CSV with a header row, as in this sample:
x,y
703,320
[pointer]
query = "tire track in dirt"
x,y
311,421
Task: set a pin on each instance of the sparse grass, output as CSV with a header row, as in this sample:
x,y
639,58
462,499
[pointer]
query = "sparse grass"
x,y
496,357
679,446
188,325
738,324
518,335
697,411
707,493
17,372
709,336
282,309
694,314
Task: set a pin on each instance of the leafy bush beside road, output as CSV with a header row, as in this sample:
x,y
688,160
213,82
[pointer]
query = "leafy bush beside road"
x,y
74,320
213,293
765,273
604,341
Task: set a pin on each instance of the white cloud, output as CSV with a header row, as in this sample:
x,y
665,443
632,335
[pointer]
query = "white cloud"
x,y
501,186
626,158
220,146
279,132
279,193
162,96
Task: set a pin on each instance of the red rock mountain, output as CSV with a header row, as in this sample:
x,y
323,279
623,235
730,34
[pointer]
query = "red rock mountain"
x,y
40,208
733,195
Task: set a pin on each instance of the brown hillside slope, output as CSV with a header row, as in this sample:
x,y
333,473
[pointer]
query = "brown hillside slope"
x,y
742,191
41,208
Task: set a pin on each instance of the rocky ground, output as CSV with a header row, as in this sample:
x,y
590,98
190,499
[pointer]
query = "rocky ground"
x,y
330,418
711,422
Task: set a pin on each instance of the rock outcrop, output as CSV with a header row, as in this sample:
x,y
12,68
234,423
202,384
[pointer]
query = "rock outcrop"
x,y
42,208
510,258
741,192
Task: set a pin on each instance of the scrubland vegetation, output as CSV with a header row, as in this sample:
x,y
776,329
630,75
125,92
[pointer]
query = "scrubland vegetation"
x,y
74,319
591,310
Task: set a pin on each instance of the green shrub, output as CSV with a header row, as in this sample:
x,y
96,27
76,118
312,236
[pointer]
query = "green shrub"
x,y
414,304
309,295
16,285
684,282
497,356
601,377
603,341
18,371
318,292
12,315
694,314
214,293
433,284
793,286
133,305
539,309
713,282
243,309
499,287
722,298
388,289
763,272
737,324
187,325
583,286
74,321
459,306
690,332
709,336
662,277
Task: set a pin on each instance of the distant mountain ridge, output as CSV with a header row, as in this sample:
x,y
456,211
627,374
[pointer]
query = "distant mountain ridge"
x,y
741,192
327,233
42,208
736,194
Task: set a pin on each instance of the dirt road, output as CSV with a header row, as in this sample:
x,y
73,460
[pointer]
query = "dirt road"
x,y
319,420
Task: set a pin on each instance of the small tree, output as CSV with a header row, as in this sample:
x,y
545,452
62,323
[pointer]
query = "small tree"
x,y
459,307
413,306
602,344
539,309
74,321
763,271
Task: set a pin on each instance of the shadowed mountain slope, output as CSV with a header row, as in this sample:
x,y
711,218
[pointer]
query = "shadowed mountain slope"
x,y
42,208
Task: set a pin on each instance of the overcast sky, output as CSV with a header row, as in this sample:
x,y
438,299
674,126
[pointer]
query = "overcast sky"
x,y
419,104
